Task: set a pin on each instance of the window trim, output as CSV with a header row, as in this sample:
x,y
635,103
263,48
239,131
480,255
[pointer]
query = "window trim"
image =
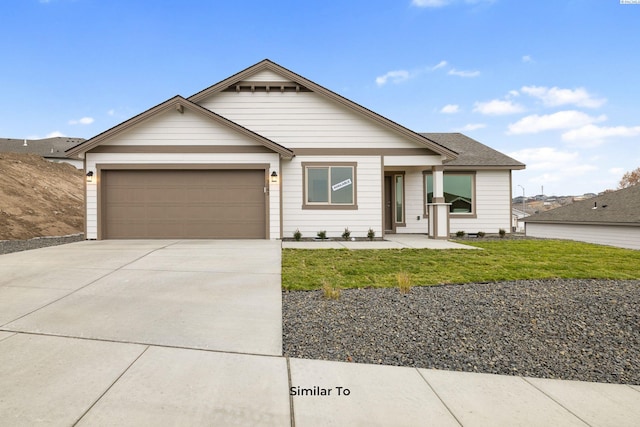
x,y
473,213
329,206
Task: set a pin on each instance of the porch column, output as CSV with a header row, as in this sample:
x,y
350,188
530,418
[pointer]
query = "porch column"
x,y
438,210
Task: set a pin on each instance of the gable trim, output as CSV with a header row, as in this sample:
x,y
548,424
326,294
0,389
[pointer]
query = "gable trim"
x,y
179,104
314,87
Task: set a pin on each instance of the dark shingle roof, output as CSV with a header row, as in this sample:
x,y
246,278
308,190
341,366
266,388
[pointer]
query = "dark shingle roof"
x,y
50,148
620,207
472,153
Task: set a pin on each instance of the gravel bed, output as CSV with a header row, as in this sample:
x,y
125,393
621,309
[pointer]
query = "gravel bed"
x,y
8,246
585,330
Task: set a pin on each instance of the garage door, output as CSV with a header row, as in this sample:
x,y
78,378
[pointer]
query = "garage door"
x,y
183,204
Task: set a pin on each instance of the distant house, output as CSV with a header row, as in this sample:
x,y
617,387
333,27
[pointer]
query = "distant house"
x,y
52,149
518,216
610,219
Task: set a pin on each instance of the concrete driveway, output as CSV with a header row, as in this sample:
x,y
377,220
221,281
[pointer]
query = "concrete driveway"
x,y
210,295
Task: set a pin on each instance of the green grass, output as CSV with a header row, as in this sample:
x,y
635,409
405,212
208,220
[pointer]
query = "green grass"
x,y
498,261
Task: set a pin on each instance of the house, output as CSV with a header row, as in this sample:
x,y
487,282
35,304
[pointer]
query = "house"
x,y
267,152
52,149
518,216
609,219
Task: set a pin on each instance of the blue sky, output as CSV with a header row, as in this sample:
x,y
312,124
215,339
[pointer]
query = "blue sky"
x,y
553,83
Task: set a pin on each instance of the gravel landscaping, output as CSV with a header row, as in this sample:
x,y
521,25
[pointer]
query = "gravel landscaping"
x,y
585,330
8,246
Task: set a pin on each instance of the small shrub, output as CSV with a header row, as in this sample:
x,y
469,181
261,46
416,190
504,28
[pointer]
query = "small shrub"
x,y
346,234
330,291
502,233
322,234
460,233
371,234
297,235
481,233
404,282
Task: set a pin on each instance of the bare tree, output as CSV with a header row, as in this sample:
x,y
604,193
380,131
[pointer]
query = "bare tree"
x,y
629,179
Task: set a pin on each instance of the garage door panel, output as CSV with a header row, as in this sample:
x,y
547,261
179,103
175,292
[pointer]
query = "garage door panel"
x,y
184,204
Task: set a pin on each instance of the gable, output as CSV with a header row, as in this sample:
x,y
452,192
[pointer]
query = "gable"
x,y
162,125
382,130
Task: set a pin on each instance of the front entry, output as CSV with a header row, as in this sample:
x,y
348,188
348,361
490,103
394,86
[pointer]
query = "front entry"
x,y
393,201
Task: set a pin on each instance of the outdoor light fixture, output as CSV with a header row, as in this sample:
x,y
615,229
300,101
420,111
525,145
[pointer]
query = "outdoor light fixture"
x,y
90,176
274,176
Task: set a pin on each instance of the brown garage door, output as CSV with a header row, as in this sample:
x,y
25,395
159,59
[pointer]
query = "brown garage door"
x,y
183,204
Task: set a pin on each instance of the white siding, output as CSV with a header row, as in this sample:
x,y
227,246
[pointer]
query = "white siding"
x,y
493,204
174,128
186,158
310,221
612,235
304,120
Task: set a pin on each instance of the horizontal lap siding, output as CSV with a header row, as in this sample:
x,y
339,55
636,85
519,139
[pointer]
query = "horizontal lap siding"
x,y
303,120
493,204
621,236
310,221
174,128
186,158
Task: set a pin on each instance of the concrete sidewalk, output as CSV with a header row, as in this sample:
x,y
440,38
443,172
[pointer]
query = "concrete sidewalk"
x,y
63,381
391,241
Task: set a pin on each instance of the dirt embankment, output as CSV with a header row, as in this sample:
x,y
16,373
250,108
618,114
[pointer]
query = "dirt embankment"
x,y
39,198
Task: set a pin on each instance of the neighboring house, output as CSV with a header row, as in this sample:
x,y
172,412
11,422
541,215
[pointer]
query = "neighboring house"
x,y
52,149
518,216
609,219
267,152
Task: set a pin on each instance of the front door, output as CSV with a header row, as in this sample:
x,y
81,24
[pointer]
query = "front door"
x,y
388,204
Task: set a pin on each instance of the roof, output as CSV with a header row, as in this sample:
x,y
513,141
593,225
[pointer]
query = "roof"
x,y
267,64
49,148
620,207
472,153
178,103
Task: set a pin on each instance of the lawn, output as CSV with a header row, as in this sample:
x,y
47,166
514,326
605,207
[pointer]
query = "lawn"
x,y
499,260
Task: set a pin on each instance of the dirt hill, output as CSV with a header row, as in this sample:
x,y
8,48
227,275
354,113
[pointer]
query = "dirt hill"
x,y
39,198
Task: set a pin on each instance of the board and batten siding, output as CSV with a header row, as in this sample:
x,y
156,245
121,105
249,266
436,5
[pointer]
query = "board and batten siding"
x,y
493,204
303,120
611,235
311,221
213,159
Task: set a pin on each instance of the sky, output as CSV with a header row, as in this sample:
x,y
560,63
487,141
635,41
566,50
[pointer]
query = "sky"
x,y
553,83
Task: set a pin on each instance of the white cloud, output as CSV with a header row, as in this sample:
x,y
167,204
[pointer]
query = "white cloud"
x,y
552,165
560,120
439,65
497,107
441,3
397,76
616,171
472,126
591,135
450,109
430,3
55,134
454,72
527,58
553,97
82,121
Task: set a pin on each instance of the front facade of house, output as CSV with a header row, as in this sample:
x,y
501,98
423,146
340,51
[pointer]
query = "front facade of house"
x,y
267,152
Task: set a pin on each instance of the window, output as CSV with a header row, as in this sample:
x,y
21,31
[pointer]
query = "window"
x,y
458,190
329,186
399,192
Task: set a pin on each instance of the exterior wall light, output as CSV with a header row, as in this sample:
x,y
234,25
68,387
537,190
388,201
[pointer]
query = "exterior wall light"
x,y
90,176
274,177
